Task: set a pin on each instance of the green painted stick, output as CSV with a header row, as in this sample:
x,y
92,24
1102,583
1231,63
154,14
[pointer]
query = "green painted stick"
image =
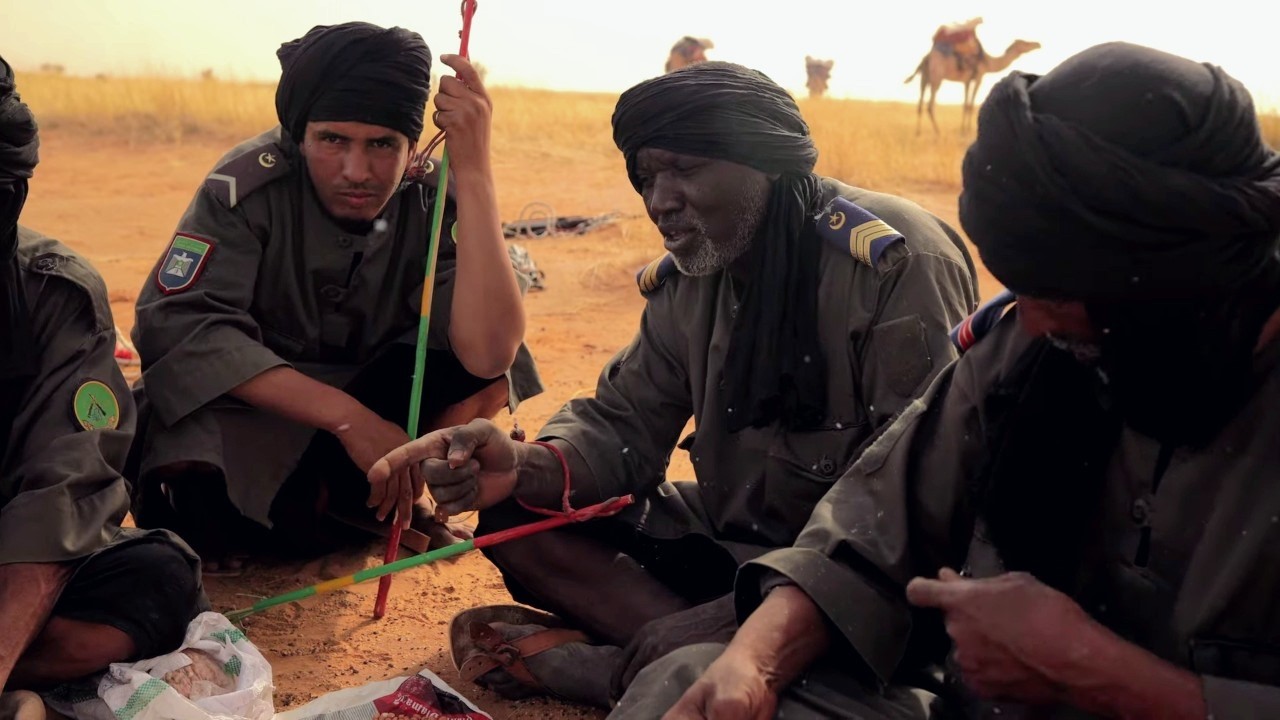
x,y
604,509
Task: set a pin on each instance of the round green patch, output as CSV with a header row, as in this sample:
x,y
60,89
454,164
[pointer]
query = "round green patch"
x,y
96,407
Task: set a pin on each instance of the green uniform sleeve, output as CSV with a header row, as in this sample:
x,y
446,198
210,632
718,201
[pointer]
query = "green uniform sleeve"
x,y
628,430
62,493
198,343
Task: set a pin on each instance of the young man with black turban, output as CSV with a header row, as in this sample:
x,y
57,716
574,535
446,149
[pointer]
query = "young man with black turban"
x,y
277,329
77,591
791,318
1081,516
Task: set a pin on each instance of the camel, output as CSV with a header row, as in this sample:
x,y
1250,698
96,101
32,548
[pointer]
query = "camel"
x,y
688,50
819,72
938,66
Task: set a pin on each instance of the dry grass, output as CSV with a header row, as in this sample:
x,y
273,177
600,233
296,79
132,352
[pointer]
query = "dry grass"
x,y
868,143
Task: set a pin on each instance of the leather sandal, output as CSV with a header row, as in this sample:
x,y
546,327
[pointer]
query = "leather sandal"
x,y
478,648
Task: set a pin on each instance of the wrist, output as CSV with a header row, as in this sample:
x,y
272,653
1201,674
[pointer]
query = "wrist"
x,y
784,635
345,414
473,171
1115,678
539,476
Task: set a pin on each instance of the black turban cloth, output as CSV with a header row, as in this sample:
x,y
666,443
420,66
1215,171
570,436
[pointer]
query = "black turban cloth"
x,y
774,370
1124,173
1137,182
354,72
19,153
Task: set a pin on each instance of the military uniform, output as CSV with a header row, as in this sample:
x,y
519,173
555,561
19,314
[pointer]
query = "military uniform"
x,y
259,276
1184,561
892,280
62,495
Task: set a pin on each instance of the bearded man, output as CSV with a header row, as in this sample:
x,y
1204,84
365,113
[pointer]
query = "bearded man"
x,y
791,318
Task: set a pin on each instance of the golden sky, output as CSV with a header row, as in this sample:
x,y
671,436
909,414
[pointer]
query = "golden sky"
x,y
608,45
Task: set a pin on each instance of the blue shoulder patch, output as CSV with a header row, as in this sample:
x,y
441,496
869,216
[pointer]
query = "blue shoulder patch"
x,y
855,230
977,325
653,275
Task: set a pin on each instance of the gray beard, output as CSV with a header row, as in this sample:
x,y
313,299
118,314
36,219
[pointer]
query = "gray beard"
x,y
706,257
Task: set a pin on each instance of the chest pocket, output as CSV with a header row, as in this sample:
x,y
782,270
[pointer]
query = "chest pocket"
x,y
800,468
1235,660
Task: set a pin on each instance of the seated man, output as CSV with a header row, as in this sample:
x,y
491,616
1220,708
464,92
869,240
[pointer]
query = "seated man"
x,y
277,330
77,591
792,317
1100,468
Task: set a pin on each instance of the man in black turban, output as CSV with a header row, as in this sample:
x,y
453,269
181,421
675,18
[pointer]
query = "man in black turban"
x,y
277,331
1112,521
77,591
791,318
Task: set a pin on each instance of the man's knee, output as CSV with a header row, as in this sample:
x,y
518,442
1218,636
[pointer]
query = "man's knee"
x,y
149,591
660,685
539,555
85,647
685,665
485,403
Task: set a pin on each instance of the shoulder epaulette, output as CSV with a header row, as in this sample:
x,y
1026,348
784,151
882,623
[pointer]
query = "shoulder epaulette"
x,y
242,175
656,273
855,230
46,256
977,325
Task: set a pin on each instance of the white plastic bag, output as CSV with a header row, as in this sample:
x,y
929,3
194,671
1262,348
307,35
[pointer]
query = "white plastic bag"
x,y
221,674
419,697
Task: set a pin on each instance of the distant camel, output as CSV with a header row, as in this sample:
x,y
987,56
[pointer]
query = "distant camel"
x,y
938,66
819,72
688,50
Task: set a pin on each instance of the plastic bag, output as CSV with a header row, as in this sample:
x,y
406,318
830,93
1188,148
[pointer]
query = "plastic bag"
x,y
216,674
421,697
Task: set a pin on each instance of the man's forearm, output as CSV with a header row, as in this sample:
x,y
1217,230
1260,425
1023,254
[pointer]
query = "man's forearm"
x,y
28,592
783,637
288,393
487,321
1117,679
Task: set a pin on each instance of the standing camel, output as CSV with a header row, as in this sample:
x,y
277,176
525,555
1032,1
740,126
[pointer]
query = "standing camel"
x,y
938,66
819,72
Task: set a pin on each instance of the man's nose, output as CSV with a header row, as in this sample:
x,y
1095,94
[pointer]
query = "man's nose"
x,y
356,168
664,198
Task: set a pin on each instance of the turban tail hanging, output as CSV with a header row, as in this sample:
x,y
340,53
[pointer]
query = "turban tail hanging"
x,y
774,369
19,153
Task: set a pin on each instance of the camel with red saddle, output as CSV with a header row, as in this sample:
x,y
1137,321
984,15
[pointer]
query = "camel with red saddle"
x,y
957,55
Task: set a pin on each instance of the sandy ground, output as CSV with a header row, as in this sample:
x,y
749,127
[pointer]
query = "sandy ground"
x,y
118,206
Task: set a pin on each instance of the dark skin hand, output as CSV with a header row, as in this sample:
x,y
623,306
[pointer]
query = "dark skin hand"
x,y
1020,640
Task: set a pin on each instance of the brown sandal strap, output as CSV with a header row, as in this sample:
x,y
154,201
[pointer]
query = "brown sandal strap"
x,y
494,652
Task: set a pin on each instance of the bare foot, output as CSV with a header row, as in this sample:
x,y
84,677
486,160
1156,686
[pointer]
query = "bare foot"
x,y
21,705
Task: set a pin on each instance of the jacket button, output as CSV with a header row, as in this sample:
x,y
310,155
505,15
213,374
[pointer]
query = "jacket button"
x,y
332,293
344,242
1140,511
827,466
47,263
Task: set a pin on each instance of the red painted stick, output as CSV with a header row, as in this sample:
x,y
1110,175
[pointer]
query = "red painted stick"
x,y
393,542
